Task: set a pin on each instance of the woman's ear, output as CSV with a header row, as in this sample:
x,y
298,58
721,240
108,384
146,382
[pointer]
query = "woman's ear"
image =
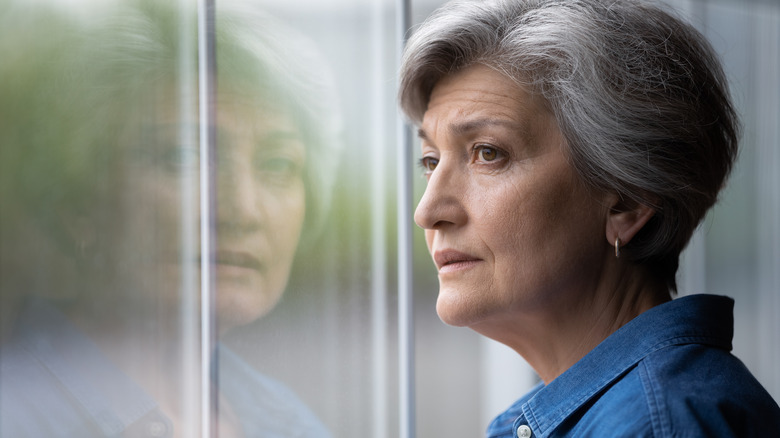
x,y
624,220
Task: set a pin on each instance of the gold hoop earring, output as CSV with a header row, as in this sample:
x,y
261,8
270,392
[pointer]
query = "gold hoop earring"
x,y
617,247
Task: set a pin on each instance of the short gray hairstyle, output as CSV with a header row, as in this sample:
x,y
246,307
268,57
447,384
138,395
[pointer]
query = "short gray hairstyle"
x,y
638,94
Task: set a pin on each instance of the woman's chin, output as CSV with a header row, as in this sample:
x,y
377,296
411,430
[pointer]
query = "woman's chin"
x,y
455,310
242,306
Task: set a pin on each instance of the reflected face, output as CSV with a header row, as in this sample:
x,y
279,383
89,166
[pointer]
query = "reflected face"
x,y
511,229
260,208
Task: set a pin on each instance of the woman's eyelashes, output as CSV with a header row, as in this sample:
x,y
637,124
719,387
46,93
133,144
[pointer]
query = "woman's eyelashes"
x,y
428,164
487,154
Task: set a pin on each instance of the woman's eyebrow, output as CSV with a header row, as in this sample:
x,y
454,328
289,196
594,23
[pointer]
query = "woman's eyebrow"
x,y
466,127
281,134
469,126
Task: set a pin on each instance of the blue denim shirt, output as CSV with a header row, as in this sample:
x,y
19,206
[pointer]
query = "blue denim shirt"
x,y
667,373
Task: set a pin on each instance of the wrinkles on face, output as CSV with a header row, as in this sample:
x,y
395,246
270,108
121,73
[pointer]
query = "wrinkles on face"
x,y
524,215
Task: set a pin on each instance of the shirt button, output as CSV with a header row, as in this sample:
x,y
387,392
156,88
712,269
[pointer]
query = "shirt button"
x,y
523,432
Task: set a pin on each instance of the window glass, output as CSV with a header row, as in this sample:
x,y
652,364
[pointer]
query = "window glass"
x,y
105,262
330,337
100,254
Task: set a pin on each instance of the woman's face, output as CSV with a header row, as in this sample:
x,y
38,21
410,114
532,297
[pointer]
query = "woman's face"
x,y
259,205
511,229
260,209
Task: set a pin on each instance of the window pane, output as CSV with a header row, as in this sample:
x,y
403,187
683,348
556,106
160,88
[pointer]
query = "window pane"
x,y
327,92
101,250
100,253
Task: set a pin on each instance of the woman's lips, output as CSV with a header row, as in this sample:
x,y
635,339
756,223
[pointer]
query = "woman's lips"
x,y
237,259
450,260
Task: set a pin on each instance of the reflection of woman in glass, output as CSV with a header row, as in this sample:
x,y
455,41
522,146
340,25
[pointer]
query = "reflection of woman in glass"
x,y
100,312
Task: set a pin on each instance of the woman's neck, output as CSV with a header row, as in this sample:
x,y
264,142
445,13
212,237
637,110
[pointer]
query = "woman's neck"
x,y
553,338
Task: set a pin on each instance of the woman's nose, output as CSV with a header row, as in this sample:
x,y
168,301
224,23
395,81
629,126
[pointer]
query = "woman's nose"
x,y
442,202
239,198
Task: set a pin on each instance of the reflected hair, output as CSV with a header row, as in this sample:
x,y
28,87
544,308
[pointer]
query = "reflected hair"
x,y
257,52
99,78
638,94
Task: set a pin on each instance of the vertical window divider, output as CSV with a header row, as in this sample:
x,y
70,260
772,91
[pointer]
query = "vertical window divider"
x,y
405,263
190,298
379,311
207,70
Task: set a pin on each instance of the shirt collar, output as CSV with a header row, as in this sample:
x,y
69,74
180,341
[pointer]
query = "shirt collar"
x,y
698,319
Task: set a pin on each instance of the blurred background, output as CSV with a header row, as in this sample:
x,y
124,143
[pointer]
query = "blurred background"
x,y
100,208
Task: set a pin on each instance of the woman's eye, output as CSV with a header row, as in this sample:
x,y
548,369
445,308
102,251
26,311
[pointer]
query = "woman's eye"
x,y
280,170
181,158
281,166
429,164
487,153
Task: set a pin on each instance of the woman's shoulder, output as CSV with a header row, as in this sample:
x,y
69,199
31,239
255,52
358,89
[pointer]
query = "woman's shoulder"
x,y
682,390
696,388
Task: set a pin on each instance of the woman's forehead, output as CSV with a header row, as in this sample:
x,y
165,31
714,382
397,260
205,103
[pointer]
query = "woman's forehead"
x,y
481,97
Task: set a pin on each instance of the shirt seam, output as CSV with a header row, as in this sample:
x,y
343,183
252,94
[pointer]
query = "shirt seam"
x,y
654,402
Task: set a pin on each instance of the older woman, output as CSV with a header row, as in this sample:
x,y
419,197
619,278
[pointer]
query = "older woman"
x,y
571,149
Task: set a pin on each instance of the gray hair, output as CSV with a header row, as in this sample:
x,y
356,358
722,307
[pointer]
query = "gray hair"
x,y
638,94
93,79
